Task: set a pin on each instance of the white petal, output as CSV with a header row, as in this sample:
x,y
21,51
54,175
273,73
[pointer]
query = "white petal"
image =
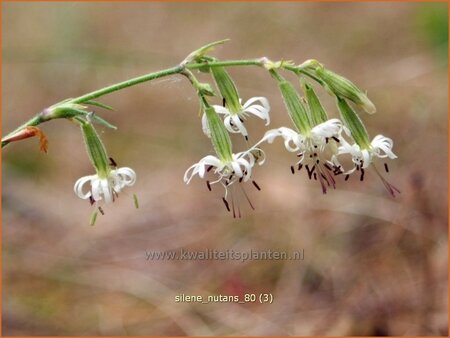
x,y
96,189
384,144
329,128
106,190
205,125
221,110
262,111
79,184
127,175
187,177
230,125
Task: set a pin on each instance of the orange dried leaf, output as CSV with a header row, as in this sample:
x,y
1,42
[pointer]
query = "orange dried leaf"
x,y
28,132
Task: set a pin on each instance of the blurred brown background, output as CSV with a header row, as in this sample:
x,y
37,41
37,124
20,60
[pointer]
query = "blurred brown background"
x,y
373,265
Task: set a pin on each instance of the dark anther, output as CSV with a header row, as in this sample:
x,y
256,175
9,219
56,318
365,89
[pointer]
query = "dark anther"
x,y
231,176
223,102
346,177
240,179
326,139
112,163
226,204
327,166
317,161
292,169
335,138
315,154
208,185
300,166
256,185
209,168
357,167
310,156
299,154
315,146
310,172
386,167
315,176
101,210
246,137
240,119
91,200
362,175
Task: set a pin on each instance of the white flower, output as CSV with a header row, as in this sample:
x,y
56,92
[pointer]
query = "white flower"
x,y
105,188
238,169
311,148
380,147
234,122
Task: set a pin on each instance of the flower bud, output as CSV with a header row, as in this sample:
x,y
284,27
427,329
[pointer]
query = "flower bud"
x,y
227,89
296,109
343,87
219,136
354,124
318,113
96,150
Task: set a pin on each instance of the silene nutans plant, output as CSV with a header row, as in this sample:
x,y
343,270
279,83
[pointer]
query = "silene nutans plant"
x,y
320,141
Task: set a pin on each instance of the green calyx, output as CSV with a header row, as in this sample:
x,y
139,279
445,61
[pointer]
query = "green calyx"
x,y
354,124
295,107
227,89
344,88
95,149
219,136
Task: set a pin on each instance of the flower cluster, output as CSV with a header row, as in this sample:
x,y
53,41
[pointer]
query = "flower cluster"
x,y
321,144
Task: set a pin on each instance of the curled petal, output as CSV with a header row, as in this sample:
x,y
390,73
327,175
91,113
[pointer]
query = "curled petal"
x,y
385,144
260,110
127,176
329,128
79,184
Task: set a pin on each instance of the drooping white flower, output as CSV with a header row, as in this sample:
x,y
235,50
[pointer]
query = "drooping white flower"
x,y
311,148
228,173
380,147
362,158
234,121
105,188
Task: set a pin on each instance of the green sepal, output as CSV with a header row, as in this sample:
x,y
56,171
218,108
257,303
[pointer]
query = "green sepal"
x,y
99,104
102,121
227,89
219,136
354,124
199,53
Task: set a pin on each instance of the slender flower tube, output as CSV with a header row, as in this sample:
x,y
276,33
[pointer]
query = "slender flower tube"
x,y
106,184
